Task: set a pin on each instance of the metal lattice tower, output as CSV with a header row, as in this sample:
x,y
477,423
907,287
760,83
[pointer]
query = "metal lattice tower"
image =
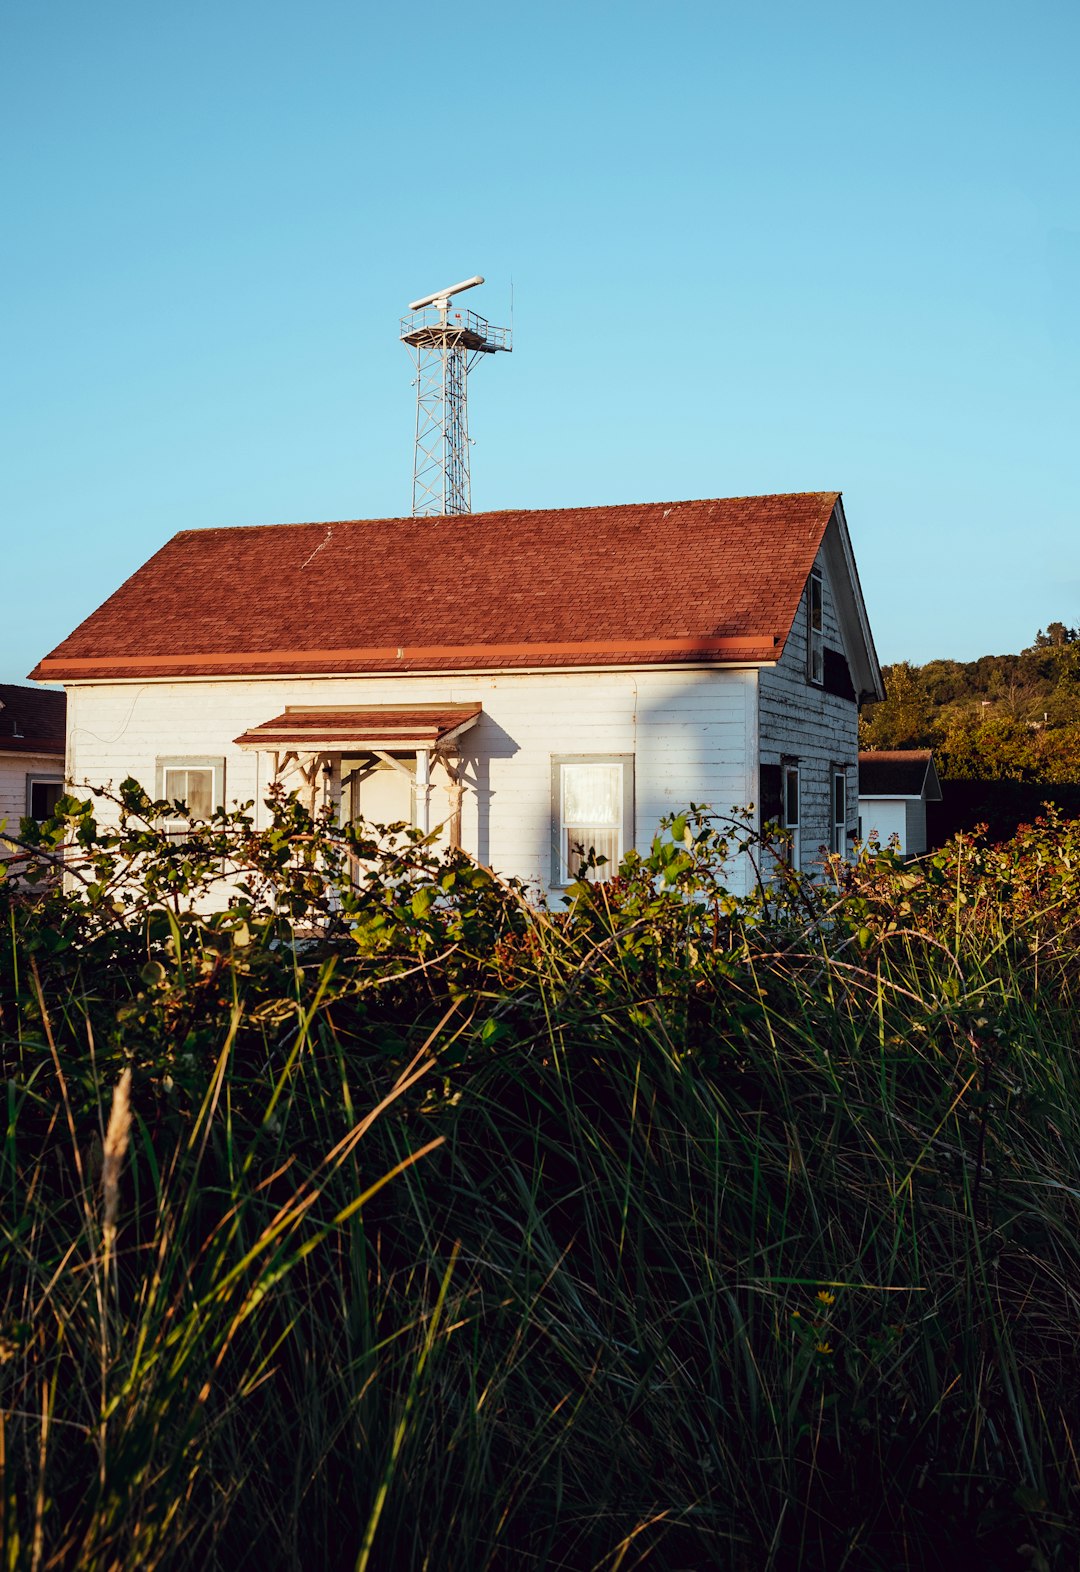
x,y
445,345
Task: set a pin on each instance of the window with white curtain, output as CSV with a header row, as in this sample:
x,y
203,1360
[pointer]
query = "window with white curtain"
x,y
198,783
592,798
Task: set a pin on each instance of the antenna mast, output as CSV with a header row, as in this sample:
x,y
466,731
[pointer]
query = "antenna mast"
x,y
445,345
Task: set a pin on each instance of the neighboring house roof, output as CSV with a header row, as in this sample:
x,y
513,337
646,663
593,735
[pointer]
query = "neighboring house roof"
x,y
658,583
32,720
903,772
384,727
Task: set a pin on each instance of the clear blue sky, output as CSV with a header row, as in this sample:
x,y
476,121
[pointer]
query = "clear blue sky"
x,y
753,247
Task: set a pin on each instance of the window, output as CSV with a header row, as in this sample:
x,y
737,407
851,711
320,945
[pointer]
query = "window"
x,y
592,808
771,794
839,812
815,630
198,783
43,792
791,812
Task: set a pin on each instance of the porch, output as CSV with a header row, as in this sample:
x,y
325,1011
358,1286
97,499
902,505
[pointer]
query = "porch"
x,y
383,763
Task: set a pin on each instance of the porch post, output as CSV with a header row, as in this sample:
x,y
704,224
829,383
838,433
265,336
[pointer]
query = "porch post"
x,y
423,790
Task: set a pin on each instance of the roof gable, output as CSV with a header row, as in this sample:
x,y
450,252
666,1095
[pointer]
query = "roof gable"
x,y
715,580
851,608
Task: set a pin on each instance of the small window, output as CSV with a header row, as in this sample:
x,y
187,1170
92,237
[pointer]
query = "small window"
x,y
815,630
197,783
839,812
43,792
592,810
791,812
770,791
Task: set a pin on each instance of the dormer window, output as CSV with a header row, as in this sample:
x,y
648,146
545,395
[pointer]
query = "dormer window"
x,y
815,630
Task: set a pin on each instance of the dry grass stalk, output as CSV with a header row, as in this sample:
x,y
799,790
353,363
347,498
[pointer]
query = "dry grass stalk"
x,y
116,1144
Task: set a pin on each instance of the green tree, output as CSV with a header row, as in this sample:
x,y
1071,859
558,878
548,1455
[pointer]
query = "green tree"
x,y
1056,635
996,748
905,717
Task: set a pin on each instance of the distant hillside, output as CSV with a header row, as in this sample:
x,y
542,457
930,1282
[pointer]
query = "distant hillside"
x,y
999,718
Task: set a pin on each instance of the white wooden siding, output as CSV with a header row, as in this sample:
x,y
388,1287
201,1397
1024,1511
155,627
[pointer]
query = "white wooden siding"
x,y
692,735
884,817
916,827
904,817
14,768
802,723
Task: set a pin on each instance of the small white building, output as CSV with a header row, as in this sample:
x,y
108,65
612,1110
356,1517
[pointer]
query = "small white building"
x,y
529,683
894,788
32,736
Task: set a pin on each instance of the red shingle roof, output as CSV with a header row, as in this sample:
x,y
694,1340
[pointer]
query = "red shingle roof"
x,y
32,720
635,584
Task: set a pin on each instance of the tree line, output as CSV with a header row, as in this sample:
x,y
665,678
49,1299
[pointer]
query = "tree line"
x,y
1001,717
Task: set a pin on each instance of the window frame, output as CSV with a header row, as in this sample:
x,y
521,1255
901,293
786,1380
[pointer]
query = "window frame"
x,y
177,827
40,778
838,825
815,636
790,770
560,874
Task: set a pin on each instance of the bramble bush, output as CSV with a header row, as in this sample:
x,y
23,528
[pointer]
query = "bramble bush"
x,y
359,1213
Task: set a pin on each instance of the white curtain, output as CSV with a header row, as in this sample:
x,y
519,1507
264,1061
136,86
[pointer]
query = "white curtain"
x,y
195,787
592,816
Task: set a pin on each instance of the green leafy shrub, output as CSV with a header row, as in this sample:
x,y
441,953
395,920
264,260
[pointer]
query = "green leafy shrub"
x,y
670,1228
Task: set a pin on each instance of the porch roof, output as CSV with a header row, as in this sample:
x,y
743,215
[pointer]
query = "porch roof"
x,y
386,728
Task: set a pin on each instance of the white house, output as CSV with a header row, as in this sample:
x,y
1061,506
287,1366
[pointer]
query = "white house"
x,y
531,682
894,788
32,732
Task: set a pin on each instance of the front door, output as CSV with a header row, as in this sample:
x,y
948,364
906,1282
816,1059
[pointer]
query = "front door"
x,y
379,793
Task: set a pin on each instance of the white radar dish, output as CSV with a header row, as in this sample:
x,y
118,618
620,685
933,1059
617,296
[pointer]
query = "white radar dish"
x,y
441,297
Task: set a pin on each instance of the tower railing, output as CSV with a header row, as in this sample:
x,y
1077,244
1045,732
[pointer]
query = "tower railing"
x,y
431,319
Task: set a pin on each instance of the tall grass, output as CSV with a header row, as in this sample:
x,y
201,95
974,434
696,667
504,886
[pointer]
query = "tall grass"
x,y
668,1231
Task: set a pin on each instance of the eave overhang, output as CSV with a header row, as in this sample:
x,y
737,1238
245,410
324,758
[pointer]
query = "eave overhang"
x,y
40,746
384,660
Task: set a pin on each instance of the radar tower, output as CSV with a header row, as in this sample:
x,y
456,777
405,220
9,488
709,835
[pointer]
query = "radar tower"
x,y
445,346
